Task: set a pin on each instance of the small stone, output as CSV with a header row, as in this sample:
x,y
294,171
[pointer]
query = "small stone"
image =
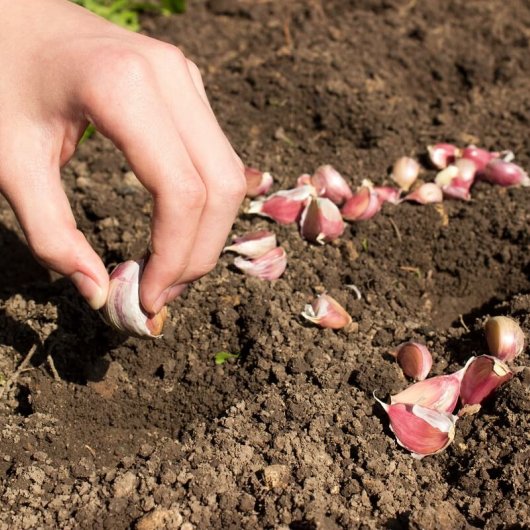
x,y
276,476
125,485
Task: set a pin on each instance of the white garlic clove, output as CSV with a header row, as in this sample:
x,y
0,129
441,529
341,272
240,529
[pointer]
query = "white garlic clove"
x,y
427,193
270,266
321,221
405,172
123,311
441,155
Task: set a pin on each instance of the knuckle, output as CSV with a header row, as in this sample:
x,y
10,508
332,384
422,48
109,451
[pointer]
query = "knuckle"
x,y
234,189
194,192
171,55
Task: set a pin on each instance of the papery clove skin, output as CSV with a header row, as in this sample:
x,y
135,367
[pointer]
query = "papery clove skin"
x,y
438,393
258,182
427,193
364,204
483,376
441,155
330,184
321,221
326,312
421,430
254,244
505,174
303,180
123,310
415,359
284,206
505,338
270,266
480,157
388,194
405,172
456,179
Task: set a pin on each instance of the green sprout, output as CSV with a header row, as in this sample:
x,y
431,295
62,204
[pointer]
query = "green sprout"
x,y
125,13
364,244
223,356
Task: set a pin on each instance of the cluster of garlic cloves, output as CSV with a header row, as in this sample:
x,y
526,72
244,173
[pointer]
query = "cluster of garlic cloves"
x,y
326,312
421,416
123,310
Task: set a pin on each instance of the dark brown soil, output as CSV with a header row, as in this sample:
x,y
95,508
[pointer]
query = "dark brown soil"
x,y
150,435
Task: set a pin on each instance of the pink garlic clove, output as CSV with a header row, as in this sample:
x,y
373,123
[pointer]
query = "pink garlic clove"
x,y
284,206
427,193
326,312
270,266
415,360
123,310
421,430
456,180
321,221
405,172
441,155
388,194
484,374
258,182
254,244
330,184
364,204
438,393
505,174
505,338
480,157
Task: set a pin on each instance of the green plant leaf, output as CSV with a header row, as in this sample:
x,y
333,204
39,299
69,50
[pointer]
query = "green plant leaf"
x,y
222,356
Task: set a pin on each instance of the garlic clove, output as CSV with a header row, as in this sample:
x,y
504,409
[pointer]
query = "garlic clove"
x,y
270,266
480,157
321,221
258,182
505,338
122,309
303,180
326,312
505,174
405,172
427,193
254,244
456,179
415,360
388,194
420,430
438,393
441,155
330,184
284,206
364,204
483,376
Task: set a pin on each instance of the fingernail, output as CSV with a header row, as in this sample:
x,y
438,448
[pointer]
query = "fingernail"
x,y
160,302
89,289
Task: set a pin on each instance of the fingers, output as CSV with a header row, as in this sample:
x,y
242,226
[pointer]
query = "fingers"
x,y
220,170
129,109
33,188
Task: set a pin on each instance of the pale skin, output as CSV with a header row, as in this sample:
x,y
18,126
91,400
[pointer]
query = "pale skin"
x,y
61,68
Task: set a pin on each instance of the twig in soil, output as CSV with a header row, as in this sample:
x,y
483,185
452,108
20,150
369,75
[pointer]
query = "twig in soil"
x,y
396,230
355,289
415,270
91,451
53,370
13,379
461,319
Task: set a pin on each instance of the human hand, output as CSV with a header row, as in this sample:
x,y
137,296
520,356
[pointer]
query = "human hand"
x,y
63,67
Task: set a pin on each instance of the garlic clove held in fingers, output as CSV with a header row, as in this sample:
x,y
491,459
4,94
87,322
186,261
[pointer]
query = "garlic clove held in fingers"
x,y
123,311
254,244
258,182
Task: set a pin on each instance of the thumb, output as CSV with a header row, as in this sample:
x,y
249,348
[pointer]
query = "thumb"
x,y
43,211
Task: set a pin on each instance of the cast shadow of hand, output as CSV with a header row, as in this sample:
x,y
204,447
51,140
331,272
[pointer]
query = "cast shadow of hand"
x,y
79,340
